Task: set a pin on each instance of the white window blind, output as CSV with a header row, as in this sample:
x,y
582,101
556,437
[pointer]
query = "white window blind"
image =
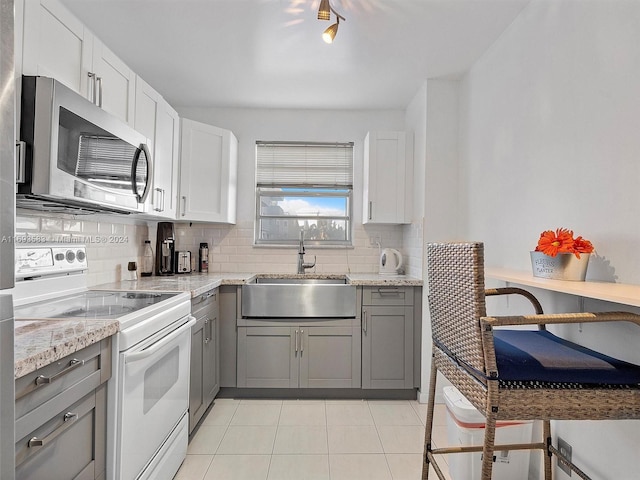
x,y
304,164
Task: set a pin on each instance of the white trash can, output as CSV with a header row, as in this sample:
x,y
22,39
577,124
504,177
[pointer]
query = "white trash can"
x,y
465,427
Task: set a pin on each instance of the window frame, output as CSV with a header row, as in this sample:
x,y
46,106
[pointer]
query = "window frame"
x,y
273,189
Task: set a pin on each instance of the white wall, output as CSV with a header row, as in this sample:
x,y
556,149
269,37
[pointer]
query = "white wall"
x,y
416,123
231,247
549,138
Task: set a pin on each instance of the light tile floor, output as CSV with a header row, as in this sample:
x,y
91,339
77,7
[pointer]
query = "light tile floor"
x,y
311,440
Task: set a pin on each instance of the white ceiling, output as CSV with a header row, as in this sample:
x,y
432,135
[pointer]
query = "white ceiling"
x,y
269,53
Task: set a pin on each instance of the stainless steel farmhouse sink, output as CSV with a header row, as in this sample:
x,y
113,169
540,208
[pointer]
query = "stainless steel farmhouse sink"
x,y
299,297
299,281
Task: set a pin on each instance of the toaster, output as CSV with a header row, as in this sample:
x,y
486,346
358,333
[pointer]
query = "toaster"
x,y
183,262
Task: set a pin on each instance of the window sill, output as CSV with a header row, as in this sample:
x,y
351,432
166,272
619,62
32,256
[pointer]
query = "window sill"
x,y
306,246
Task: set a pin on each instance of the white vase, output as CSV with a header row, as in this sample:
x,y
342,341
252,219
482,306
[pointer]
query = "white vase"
x,y
564,266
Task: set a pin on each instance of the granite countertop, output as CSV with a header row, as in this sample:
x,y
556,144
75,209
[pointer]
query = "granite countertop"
x,y
199,283
196,283
40,342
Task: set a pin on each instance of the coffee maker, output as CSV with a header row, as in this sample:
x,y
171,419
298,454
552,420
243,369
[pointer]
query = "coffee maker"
x,y
165,249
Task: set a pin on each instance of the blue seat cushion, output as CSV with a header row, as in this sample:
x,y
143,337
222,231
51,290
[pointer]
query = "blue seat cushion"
x,y
529,358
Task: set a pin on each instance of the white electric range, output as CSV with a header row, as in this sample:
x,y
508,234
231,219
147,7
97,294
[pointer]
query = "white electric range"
x,y
149,391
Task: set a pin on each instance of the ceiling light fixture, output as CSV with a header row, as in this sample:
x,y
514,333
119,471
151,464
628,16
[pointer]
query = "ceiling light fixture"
x,y
324,13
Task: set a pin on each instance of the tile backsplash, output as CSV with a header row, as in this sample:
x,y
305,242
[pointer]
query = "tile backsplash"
x,y
111,244
231,249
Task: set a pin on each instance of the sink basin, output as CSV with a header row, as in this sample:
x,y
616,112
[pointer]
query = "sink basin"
x,y
300,281
298,297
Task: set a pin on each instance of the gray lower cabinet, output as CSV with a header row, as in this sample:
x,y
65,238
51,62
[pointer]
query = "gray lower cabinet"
x,y
61,417
388,337
299,356
205,366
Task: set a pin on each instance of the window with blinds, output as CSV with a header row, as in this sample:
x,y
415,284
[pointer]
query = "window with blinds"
x,y
303,186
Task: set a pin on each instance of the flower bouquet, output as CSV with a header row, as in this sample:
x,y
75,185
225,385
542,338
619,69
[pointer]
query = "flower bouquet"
x,y
560,256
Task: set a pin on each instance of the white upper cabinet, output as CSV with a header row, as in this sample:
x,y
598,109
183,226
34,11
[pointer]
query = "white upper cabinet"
x,y
208,173
115,83
58,45
387,179
157,121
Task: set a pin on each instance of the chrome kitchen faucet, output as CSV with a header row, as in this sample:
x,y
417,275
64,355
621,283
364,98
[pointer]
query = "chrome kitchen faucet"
x,y
301,265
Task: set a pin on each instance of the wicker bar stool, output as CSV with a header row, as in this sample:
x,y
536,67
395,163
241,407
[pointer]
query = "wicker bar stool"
x,y
515,374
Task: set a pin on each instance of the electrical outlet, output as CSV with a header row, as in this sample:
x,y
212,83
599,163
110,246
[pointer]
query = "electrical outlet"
x,y
565,450
374,240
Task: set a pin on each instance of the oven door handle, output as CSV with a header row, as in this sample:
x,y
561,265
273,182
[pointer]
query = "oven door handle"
x,y
137,356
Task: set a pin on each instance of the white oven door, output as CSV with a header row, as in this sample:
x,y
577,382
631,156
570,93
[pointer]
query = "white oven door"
x,y
153,395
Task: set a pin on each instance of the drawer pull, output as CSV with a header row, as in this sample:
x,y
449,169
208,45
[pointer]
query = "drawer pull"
x,y
388,291
40,442
73,364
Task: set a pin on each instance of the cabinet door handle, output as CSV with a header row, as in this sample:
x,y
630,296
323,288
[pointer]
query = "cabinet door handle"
x,y
184,205
157,206
73,364
370,209
99,83
207,324
40,442
92,84
364,321
162,199
301,341
296,341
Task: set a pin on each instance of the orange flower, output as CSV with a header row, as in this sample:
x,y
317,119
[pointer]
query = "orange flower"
x,y
551,243
581,245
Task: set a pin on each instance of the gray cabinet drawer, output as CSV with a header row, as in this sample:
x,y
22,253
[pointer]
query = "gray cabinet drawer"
x,y
204,301
83,371
387,295
68,445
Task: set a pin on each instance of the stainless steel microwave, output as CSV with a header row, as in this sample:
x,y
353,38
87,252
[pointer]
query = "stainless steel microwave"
x,y
76,158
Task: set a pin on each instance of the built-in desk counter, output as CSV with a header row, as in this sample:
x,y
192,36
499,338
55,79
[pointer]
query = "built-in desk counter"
x,y
611,292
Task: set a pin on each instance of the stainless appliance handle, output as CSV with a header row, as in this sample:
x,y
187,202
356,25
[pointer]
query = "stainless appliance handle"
x,y
184,205
134,166
41,442
73,364
99,83
147,352
20,162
